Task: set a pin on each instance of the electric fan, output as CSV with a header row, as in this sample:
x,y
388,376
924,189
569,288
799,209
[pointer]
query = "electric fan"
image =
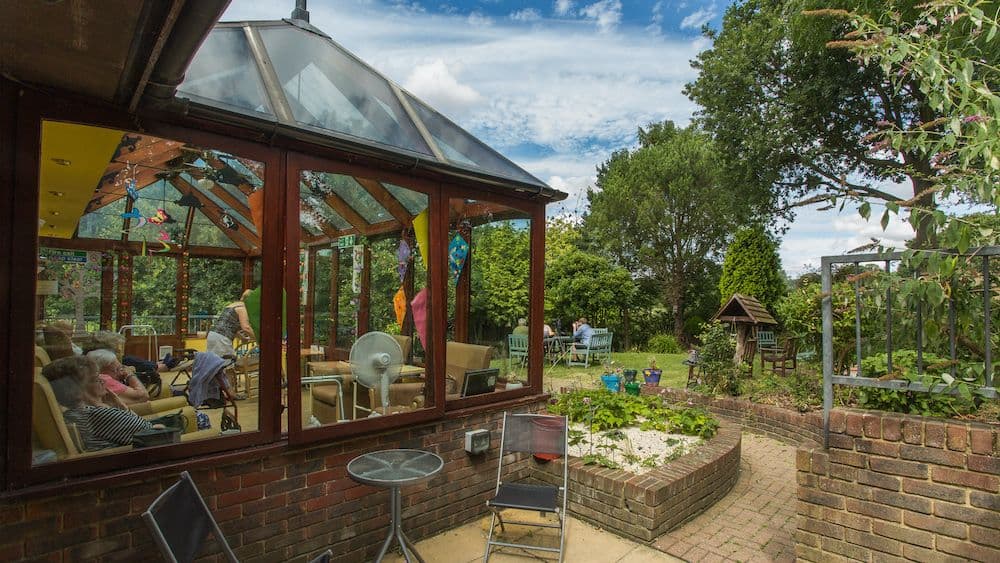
x,y
376,360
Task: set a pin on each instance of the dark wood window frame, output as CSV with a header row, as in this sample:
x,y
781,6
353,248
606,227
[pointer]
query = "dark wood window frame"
x,y
21,128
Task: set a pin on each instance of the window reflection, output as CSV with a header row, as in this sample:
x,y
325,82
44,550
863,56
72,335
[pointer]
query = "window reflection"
x,y
363,278
133,278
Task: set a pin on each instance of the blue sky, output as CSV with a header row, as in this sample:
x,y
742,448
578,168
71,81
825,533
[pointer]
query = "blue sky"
x,y
555,85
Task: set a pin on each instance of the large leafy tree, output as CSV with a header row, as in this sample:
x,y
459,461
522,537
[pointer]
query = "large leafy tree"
x,y
665,210
752,267
803,119
580,284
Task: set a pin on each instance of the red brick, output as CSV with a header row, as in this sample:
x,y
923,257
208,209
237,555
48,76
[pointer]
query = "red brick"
x,y
933,490
879,480
968,514
803,459
874,510
825,529
877,447
872,425
903,534
239,497
984,464
913,431
846,519
845,472
982,441
968,550
817,497
934,435
892,428
846,549
819,463
872,541
900,500
935,524
12,552
982,481
848,458
984,536
855,424
932,455
898,467
957,437
838,421
841,442
262,477
40,545
985,500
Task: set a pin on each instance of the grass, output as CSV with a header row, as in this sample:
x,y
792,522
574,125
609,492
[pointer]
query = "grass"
x,y
556,377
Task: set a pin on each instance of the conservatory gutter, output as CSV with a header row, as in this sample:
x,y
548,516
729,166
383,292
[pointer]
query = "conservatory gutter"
x,y
276,129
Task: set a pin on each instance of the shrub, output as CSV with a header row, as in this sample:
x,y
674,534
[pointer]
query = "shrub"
x,y
664,344
605,410
718,347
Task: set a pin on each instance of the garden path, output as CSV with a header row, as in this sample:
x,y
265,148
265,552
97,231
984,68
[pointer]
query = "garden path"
x,y
755,521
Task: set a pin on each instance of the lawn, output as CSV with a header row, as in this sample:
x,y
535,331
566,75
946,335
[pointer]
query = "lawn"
x,y
556,377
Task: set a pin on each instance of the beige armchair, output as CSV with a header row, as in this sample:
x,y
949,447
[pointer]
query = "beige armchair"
x,y
460,358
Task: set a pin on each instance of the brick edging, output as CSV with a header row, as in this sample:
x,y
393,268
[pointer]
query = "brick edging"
x,y
644,507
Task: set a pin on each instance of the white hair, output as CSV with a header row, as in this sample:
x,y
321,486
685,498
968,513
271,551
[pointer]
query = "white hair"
x,y
103,358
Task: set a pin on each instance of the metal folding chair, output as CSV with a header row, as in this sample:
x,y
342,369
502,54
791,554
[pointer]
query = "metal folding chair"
x,y
540,435
180,523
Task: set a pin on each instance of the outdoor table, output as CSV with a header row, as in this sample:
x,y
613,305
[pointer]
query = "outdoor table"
x,y
395,469
556,347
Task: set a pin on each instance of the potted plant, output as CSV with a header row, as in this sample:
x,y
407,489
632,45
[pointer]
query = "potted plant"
x,y
513,381
611,379
651,375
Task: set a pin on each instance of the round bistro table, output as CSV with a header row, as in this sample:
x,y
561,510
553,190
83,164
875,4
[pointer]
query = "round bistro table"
x,y
395,469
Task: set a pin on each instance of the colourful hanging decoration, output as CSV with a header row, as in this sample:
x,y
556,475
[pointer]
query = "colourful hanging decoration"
x,y
399,306
421,230
161,217
131,191
402,258
134,214
419,308
166,247
164,236
458,252
228,221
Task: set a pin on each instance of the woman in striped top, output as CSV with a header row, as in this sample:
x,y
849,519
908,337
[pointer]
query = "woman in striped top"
x,y
76,385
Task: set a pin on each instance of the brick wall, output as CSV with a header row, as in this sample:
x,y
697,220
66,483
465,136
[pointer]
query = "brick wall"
x,y
643,507
893,486
287,506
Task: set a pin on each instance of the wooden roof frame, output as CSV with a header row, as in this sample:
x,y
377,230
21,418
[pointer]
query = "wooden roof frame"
x,y
744,309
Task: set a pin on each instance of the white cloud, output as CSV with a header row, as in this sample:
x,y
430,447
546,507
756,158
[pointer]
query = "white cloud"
x,y
478,19
563,7
656,18
435,84
606,13
526,15
699,18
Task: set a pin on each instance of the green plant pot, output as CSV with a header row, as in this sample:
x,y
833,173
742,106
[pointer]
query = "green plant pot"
x,y
632,388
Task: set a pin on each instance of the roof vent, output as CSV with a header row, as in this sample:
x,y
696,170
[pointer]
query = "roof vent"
x,y
300,12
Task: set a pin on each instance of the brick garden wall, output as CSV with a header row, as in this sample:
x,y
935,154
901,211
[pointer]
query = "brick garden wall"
x,y
288,506
891,486
643,507
894,486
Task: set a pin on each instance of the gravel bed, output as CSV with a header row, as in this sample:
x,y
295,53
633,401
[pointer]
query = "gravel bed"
x,y
646,444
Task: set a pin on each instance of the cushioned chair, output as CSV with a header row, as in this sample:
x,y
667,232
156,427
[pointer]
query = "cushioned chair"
x,y
460,358
41,357
50,431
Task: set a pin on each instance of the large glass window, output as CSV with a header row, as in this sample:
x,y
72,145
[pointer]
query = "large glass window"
x,y
143,246
489,263
363,284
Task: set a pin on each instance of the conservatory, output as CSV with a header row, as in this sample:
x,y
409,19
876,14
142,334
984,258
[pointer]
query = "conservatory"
x,y
285,174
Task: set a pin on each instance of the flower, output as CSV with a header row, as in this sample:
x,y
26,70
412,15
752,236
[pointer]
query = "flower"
x,y
974,119
586,400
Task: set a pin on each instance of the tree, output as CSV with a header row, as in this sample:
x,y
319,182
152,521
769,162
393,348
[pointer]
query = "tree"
x,y
800,118
752,267
949,52
664,210
580,284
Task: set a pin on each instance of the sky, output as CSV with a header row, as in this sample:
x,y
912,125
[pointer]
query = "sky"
x,y
556,85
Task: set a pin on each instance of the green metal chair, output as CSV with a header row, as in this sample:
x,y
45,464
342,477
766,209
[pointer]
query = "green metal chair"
x,y
517,347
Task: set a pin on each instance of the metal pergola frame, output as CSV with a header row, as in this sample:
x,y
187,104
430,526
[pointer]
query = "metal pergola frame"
x,y
829,379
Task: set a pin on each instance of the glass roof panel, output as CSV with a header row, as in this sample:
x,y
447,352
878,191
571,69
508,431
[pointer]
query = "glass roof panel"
x,y
348,189
205,233
328,88
104,223
462,148
314,212
224,73
413,201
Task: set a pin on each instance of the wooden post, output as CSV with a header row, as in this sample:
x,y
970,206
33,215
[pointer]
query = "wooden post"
x,y
364,300
183,293
308,316
408,289
463,291
107,290
247,273
124,289
334,299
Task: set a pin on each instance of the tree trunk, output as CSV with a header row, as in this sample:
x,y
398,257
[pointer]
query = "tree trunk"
x,y
677,305
626,330
924,204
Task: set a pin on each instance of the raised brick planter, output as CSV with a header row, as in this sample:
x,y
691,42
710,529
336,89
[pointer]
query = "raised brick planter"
x,y
643,507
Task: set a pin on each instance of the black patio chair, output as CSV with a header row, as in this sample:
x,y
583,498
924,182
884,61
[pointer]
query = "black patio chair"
x,y
180,523
546,437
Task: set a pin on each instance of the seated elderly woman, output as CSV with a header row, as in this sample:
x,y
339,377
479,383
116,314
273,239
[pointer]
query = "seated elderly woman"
x,y
117,378
76,385
108,340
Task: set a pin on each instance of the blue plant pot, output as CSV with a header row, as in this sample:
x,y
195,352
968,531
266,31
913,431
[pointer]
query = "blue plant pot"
x,y
612,382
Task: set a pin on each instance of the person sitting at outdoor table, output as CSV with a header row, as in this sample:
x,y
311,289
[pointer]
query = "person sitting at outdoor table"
x,y
117,378
547,331
77,386
581,334
522,327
